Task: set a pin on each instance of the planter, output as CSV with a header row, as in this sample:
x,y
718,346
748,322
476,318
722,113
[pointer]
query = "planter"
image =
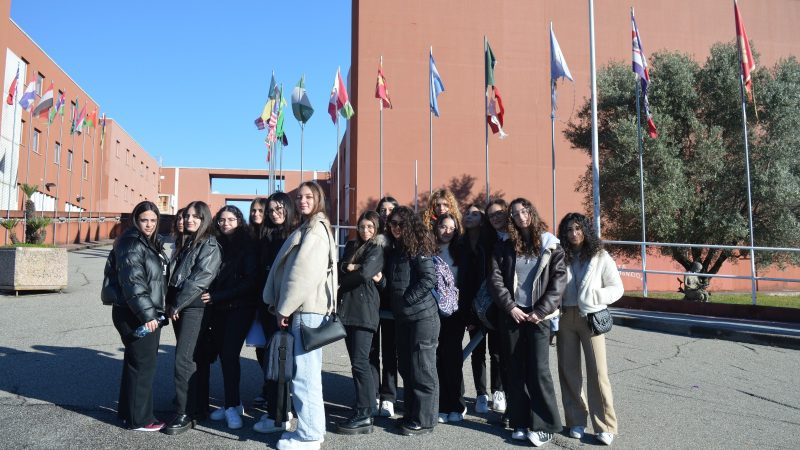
x,y
33,268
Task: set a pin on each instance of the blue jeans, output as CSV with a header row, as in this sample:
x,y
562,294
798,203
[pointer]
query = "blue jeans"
x,y
307,382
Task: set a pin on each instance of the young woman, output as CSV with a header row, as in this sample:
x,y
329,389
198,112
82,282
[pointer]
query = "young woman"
x,y
409,278
136,278
280,220
527,280
300,290
258,231
452,406
193,269
174,241
442,201
231,302
384,348
358,308
593,282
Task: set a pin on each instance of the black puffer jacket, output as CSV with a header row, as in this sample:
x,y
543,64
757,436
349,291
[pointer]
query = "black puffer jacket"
x,y
234,286
192,272
358,295
548,287
409,282
136,276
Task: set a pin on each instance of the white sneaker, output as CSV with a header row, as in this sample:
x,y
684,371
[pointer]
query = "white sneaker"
x,y
290,441
520,434
482,404
387,409
219,413
267,425
456,416
443,417
605,438
499,401
576,432
233,418
539,438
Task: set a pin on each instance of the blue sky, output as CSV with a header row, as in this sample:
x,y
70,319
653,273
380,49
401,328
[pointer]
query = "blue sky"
x,y
187,79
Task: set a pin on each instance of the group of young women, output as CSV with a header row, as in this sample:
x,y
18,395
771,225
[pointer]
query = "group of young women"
x,y
385,290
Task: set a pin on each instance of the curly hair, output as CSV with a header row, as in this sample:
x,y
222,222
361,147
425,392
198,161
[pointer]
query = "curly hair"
x,y
536,228
241,230
415,238
591,243
429,215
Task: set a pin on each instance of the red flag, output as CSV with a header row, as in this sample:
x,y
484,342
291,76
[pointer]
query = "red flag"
x,y
382,89
495,113
12,90
745,55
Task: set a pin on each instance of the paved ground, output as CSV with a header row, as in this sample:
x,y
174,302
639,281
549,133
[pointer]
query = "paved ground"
x,y
60,363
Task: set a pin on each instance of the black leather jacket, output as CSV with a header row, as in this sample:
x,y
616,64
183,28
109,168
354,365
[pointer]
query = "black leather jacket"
x,y
192,271
409,282
234,286
136,276
358,295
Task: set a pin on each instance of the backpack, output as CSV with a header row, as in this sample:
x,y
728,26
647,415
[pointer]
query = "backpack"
x,y
445,292
280,357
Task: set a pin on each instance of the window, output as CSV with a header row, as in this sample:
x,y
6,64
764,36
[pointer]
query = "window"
x,y
85,170
39,83
69,160
57,154
116,187
117,149
35,142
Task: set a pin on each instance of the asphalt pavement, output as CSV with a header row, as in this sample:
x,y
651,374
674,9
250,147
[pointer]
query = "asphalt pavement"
x,y
60,365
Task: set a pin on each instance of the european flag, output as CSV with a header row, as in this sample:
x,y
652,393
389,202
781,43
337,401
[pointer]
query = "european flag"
x,y
436,86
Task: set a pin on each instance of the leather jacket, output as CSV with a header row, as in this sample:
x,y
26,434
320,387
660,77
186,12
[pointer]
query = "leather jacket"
x,y
548,287
192,272
136,276
409,282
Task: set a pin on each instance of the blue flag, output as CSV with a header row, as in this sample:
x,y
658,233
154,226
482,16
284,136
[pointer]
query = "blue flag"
x,y
558,68
436,87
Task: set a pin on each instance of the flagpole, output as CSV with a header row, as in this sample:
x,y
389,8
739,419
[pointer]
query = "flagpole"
x,y
338,172
91,186
102,160
302,130
44,165
640,147
71,169
430,126
753,286
553,144
380,133
80,181
280,147
486,122
58,171
283,181
595,150
11,173
30,141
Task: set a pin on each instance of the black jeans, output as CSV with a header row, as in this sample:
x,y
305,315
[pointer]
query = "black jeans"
x,y
385,340
187,331
229,328
416,357
478,359
530,392
449,365
138,369
359,342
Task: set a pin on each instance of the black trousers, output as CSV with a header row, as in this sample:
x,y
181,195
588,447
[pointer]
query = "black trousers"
x,y
138,369
384,350
187,332
478,360
449,365
416,357
359,343
530,392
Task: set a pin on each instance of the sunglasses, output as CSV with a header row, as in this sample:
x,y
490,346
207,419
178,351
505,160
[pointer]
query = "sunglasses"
x,y
395,223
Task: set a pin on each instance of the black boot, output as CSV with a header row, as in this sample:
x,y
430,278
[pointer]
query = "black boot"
x,y
360,423
180,424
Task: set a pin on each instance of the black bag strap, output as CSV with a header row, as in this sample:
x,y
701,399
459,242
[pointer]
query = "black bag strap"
x,y
280,404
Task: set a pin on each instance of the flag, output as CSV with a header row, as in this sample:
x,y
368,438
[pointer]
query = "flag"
x,y
488,65
91,119
643,74
279,134
12,90
558,68
272,122
382,89
77,119
261,121
102,130
339,101
436,85
301,105
59,109
495,113
45,103
745,54
28,96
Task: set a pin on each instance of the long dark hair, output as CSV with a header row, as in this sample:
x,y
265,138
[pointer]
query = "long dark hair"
x,y
205,230
290,216
535,229
142,207
453,246
239,233
591,243
179,236
415,238
258,230
387,199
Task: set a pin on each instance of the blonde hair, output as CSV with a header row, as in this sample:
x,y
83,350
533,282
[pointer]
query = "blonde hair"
x,y
429,215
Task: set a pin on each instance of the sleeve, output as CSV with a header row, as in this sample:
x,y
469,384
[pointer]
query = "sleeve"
x,y
205,269
612,288
550,301
109,293
133,283
426,280
310,266
496,285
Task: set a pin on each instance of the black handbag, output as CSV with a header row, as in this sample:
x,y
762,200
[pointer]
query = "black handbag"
x,y
600,322
329,331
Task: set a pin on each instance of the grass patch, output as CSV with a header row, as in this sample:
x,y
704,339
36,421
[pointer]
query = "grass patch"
x,y
762,298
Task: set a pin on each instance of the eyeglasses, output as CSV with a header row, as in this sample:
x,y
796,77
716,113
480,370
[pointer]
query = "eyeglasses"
x,y
222,221
395,223
276,210
497,215
366,227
